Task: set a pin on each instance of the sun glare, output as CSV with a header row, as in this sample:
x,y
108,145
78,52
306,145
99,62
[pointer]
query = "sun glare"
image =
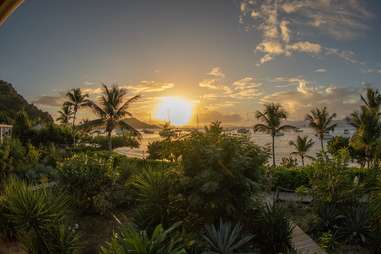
x,y
176,110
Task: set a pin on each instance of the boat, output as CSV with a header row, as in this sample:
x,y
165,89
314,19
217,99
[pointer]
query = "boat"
x,y
148,131
299,130
279,134
346,132
243,131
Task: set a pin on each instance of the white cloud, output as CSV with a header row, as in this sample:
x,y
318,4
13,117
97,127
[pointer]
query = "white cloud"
x,y
278,22
216,72
321,70
308,95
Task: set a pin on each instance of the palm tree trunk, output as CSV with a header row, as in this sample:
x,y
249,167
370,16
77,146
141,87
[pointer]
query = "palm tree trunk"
x,y
302,160
322,143
109,141
273,146
73,127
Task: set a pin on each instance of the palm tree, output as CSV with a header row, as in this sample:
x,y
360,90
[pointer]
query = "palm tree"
x,y
112,109
76,100
302,146
321,121
65,115
271,118
368,126
372,100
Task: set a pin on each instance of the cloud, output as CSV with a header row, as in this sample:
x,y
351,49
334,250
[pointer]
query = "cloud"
x,y
378,71
209,83
284,23
308,95
216,72
321,70
50,101
150,87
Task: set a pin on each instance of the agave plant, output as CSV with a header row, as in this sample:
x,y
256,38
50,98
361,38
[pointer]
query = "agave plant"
x,y
273,230
130,240
33,211
225,239
356,227
56,239
153,190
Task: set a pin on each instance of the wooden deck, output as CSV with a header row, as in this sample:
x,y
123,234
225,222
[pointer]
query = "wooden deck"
x,y
303,244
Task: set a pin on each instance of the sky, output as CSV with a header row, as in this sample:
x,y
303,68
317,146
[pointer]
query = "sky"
x,y
227,57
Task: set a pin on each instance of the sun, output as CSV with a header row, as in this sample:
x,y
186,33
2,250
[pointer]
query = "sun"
x,y
177,110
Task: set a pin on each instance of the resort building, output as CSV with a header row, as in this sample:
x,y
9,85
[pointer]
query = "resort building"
x,y
5,131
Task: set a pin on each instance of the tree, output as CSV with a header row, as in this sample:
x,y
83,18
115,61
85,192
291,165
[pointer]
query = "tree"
x,y
368,126
321,121
302,146
271,118
111,110
65,115
22,127
372,100
76,101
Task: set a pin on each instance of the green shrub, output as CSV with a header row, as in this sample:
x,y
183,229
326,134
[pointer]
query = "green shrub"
x,y
38,215
290,178
327,241
225,239
85,176
273,230
356,226
117,141
220,175
160,241
156,196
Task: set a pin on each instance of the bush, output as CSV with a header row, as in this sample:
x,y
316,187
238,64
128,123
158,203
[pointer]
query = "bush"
x,y
160,241
220,175
225,239
117,141
85,176
156,195
290,178
38,217
273,230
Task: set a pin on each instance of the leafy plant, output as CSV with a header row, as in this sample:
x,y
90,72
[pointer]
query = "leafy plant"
x,y
225,239
327,241
273,230
130,240
356,227
85,176
155,194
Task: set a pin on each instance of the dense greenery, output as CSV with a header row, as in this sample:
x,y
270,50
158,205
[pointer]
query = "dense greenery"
x,y
199,192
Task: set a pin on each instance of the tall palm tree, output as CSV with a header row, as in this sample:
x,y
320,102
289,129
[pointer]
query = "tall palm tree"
x,y
321,121
112,110
302,146
76,100
65,115
271,118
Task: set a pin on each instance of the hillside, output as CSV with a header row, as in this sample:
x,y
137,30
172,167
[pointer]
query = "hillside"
x,y
137,124
11,102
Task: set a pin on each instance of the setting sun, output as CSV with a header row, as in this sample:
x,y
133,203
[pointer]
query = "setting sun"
x,y
176,110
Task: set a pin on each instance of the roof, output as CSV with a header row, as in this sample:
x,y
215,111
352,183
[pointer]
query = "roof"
x,y
5,126
7,7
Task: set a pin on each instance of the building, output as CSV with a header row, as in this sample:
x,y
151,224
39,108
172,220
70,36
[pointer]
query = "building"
x,y
5,131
